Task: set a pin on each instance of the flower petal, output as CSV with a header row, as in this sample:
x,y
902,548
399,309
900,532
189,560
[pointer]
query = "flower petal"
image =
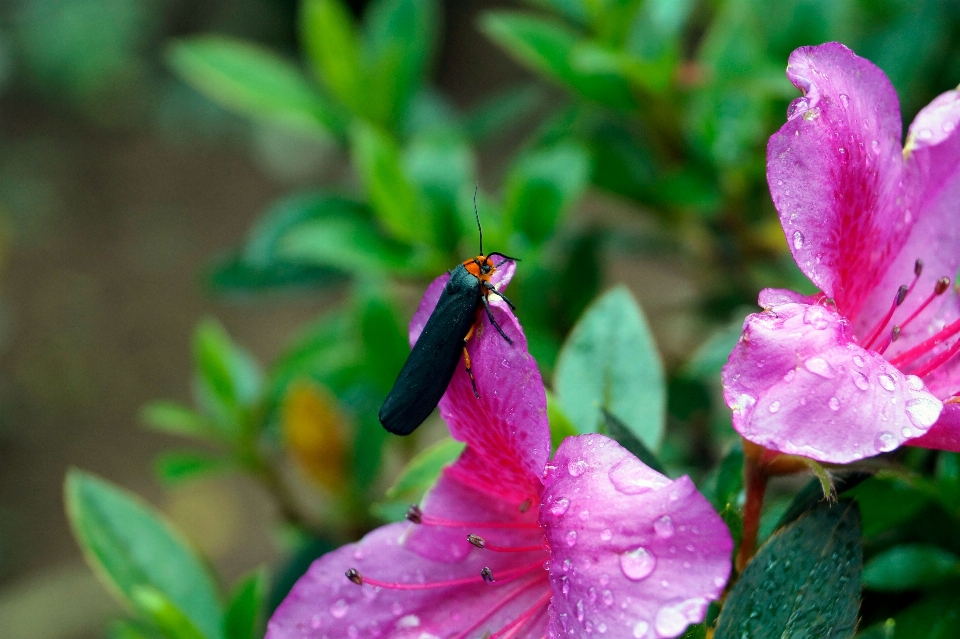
x,y
798,384
945,434
633,554
835,172
324,603
933,172
453,500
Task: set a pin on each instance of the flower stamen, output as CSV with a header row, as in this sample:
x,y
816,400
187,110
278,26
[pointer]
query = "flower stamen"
x,y
486,576
512,628
480,542
911,355
415,515
938,289
938,361
507,598
897,301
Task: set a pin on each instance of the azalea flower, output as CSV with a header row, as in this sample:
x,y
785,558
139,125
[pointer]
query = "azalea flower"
x,y
509,545
868,364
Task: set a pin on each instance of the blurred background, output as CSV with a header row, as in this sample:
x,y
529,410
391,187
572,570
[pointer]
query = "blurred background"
x,y
233,207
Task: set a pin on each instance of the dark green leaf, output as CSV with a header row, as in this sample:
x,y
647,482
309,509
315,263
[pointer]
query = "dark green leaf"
x,y
234,274
502,112
228,378
175,419
935,617
400,38
610,362
178,466
571,9
546,47
245,609
251,80
886,502
803,583
725,483
542,186
392,196
910,566
812,494
384,335
349,243
332,46
138,555
618,431
125,629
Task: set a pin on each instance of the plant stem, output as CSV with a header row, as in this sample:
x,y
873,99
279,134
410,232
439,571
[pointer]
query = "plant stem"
x,y
755,483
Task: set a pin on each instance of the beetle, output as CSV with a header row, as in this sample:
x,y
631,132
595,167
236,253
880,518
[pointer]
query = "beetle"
x,y
433,360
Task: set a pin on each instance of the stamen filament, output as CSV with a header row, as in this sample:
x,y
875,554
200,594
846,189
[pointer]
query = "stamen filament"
x,y
939,288
891,338
507,598
512,548
939,360
910,355
878,329
450,523
517,624
485,575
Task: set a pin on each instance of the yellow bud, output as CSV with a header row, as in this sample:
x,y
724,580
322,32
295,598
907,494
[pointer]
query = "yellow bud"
x,y
313,430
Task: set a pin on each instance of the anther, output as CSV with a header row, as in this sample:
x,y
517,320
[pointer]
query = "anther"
x,y
487,575
902,293
878,329
354,575
895,334
942,285
918,267
525,506
476,540
414,514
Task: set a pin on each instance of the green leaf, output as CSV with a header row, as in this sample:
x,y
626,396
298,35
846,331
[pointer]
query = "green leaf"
x,y
253,81
804,582
560,425
725,483
392,196
573,10
138,555
384,335
349,243
813,493
399,41
886,503
910,566
618,431
423,470
246,607
228,378
179,466
169,619
934,617
542,186
332,46
546,47
610,362
501,112
174,418
125,629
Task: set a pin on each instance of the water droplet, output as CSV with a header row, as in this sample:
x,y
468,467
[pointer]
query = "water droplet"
x,y
410,621
584,515
819,366
817,317
775,406
797,106
606,535
607,598
572,538
576,468
858,360
719,582
875,145
339,608
560,506
663,527
671,620
601,627
567,565
947,126
845,99
592,595
924,134
923,411
790,375
860,380
580,614
886,381
315,621
885,442
564,585
637,564
842,150
745,402
914,382
906,432
834,403
797,240
604,579
352,632
640,629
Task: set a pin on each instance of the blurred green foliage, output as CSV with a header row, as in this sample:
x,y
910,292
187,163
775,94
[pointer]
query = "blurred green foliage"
x,y
662,107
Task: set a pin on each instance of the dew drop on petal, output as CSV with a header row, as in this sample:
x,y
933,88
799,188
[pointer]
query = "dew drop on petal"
x,y
885,442
567,565
845,99
606,535
860,380
580,613
906,432
923,411
560,506
790,375
564,585
601,627
886,381
875,145
775,406
640,629
819,366
719,582
572,538
858,360
797,106
576,468
339,608
315,621
637,564
670,621
607,598
396,608
797,240
584,515
817,317
663,527
834,403
914,382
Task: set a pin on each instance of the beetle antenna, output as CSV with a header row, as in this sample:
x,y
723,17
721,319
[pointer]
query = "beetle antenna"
x,y
476,212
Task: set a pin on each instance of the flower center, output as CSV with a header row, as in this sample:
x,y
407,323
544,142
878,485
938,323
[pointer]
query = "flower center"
x,y
514,581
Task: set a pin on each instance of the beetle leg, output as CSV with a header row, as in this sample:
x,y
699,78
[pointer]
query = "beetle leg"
x,y
466,360
490,287
486,305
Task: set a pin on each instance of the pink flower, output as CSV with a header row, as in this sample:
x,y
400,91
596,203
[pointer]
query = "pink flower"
x,y
868,364
507,545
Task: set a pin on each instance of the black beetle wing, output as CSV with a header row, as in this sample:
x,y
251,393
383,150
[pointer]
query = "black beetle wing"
x,y
434,358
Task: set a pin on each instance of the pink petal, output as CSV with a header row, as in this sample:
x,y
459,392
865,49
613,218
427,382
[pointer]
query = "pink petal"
x,y
325,604
798,384
933,172
631,550
453,500
835,172
945,434
770,297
